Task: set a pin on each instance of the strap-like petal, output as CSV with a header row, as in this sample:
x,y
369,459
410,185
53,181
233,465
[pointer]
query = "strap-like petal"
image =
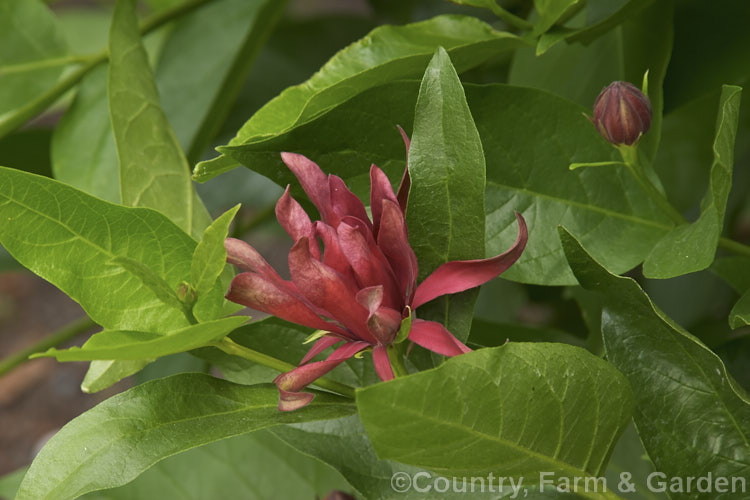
x,y
394,243
314,182
327,288
247,258
345,203
277,298
291,383
319,346
436,338
380,189
403,189
457,276
382,363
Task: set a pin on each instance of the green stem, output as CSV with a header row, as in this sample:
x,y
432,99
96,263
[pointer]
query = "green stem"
x,y
66,333
734,246
15,119
231,347
511,19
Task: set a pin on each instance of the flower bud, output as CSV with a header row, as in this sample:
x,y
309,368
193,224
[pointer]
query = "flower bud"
x,y
622,113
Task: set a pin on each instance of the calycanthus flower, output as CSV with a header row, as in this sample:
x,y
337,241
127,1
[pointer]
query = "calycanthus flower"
x,y
361,286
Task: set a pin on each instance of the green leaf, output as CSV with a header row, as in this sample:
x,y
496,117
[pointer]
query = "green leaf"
x,y
210,256
630,458
255,466
515,411
129,345
70,239
111,444
692,247
445,211
92,168
740,314
9,483
153,170
343,444
677,378
550,11
388,53
151,280
102,374
34,57
486,333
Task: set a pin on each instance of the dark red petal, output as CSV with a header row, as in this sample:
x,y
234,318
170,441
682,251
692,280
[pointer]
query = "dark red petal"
x,y
327,288
345,203
403,189
457,276
247,258
320,345
313,181
333,255
380,189
276,298
384,324
382,363
368,263
370,298
394,242
290,383
436,338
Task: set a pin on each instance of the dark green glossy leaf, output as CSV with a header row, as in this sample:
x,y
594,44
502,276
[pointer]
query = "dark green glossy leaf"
x,y
445,212
111,444
490,334
255,466
692,247
740,315
129,345
735,271
550,11
104,373
515,411
153,170
70,239
388,53
677,377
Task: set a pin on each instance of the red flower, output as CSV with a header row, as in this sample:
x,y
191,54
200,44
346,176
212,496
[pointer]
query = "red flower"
x,y
358,289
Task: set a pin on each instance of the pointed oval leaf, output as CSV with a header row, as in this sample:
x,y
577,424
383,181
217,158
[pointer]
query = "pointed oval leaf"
x,y
677,378
514,411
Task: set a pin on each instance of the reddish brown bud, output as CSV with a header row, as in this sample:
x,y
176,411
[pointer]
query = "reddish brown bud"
x,y
622,113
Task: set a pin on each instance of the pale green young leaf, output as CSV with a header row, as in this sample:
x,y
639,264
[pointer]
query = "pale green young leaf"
x,y
102,374
210,256
117,440
153,170
692,247
676,376
150,279
513,411
445,211
130,345
70,239
388,53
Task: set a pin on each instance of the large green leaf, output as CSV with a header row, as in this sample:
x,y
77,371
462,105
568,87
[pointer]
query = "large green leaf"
x,y
740,315
388,53
514,411
256,466
209,258
111,444
691,415
153,170
343,444
445,211
34,54
692,247
529,137
70,239
128,345
550,11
